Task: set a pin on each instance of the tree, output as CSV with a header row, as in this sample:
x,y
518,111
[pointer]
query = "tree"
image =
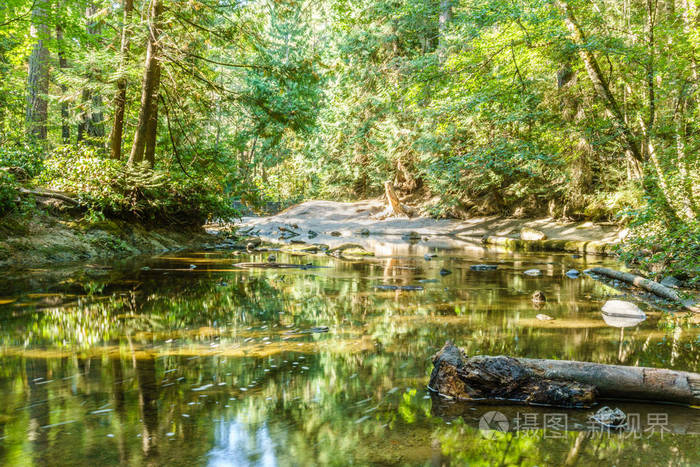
x,y
115,137
38,74
147,124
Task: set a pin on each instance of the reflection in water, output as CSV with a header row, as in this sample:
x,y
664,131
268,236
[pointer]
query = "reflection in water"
x,y
236,445
169,365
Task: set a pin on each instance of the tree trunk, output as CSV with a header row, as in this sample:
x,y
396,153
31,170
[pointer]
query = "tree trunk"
x,y
149,88
63,63
646,284
395,206
152,127
598,81
559,383
115,137
38,75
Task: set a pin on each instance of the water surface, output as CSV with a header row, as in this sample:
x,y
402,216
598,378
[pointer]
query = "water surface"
x,y
186,359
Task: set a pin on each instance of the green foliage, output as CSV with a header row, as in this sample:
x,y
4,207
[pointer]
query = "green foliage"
x,y
26,158
8,193
663,250
110,188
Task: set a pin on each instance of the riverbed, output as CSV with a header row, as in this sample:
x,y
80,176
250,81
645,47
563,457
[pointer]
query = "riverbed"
x,y
188,359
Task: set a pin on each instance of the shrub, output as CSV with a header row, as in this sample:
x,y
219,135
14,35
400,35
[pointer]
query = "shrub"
x,y
110,188
8,192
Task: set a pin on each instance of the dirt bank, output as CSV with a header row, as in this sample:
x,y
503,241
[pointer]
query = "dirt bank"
x,y
42,238
337,223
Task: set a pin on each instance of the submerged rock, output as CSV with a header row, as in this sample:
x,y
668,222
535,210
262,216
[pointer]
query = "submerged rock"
x,y
483,267
538,297
572,273
312,234
444,272
543,317
670,281
610,418
335,233
533,272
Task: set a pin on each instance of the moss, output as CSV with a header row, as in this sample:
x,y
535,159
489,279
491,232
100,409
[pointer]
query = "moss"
x,y
4,253
572,246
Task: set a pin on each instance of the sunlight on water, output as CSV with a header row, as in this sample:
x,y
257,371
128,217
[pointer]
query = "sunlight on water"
x,y
191,360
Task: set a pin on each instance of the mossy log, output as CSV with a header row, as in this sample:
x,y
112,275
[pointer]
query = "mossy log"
x,y
558,383
572,246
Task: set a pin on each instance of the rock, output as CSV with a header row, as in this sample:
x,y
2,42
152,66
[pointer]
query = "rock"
x,y
622,309
192,266
623,234
483,267
364,232
335,233
425,238
398,287
271,259
533,272
670,281
610,418
527,233
444,272
411,236
538,297
542,317
572,273
250,246
255,241
312,234
427,257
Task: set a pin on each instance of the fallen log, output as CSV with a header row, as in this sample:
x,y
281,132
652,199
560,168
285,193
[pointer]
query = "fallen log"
x,y
49,194
558,383
646,284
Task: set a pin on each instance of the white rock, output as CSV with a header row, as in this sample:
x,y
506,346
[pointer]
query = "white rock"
x,y
527,233
623,309
533,272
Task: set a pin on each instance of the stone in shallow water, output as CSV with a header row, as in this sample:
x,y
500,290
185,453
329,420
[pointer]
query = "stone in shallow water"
x,y
610,418
543,317
533,272
483,267
572,273
622,309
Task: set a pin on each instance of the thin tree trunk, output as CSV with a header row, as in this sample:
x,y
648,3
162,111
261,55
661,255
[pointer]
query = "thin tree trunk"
x,y
149,88
599,83
444,19
115,137
603,91
63,63
91,120
38,76
152,127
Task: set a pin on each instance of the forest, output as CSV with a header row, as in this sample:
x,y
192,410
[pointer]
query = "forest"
x,y
177,111
350,232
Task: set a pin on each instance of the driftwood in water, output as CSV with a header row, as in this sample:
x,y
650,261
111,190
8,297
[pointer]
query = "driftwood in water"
x,y
558,383
646,284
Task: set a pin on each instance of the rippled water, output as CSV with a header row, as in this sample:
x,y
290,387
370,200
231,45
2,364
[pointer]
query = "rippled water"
x,y
189,360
